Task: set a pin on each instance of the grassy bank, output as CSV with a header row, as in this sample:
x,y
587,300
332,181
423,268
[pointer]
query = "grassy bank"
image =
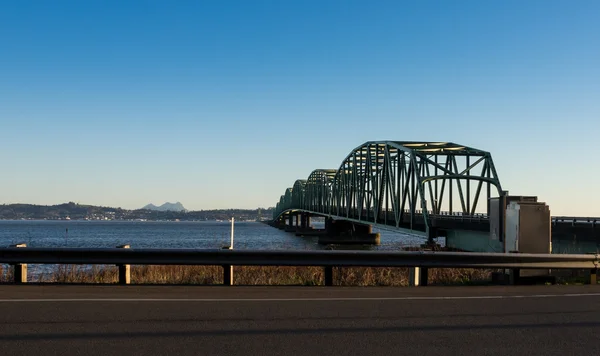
x,y
252,275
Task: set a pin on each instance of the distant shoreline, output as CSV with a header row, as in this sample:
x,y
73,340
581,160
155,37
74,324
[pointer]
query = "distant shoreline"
x,y
72,211
119,220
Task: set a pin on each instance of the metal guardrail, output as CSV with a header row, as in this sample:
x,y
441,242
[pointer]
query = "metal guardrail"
x,y
123,257
432,259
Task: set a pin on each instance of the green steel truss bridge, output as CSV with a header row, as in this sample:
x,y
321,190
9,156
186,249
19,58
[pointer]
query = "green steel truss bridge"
x,y
424,187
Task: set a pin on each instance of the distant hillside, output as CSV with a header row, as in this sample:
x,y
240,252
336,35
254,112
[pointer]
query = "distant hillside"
x,y
166,207
74,211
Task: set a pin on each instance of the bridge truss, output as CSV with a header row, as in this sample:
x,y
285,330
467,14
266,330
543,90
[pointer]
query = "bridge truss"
x,y
399,184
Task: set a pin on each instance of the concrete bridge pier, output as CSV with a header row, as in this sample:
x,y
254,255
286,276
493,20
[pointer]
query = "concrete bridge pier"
x,y
304,229
290,226
279,223
305,221
432,234
349,233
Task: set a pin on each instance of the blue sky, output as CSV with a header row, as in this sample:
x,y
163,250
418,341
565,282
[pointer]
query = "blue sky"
x,y
223,104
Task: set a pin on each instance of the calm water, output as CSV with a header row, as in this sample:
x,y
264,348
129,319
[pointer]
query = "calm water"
x,y
247,235
195,235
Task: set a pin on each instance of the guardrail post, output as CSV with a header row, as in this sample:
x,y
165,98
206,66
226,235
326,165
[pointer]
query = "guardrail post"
x,y
414,276
124,270
514,275
593,276
227,271
20,269
328,275
423,276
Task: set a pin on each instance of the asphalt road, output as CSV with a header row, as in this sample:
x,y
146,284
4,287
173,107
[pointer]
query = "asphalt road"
x,y
166,320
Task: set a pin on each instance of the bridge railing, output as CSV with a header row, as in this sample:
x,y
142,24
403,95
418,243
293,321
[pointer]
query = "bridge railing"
x,y
575,220
482,217
418,261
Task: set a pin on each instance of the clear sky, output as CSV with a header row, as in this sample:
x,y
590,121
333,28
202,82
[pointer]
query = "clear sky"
x,y
222,104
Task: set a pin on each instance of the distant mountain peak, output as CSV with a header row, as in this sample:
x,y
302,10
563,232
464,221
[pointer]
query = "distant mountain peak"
x,y
166,207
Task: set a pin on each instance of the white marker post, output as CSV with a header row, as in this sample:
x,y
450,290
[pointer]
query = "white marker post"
x,y
228,269
232,220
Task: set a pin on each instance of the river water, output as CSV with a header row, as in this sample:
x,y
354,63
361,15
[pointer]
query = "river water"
x,y
193,235
200,235
163,235
167,235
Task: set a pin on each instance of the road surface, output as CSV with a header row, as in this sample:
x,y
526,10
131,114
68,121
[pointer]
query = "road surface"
x,y
199,320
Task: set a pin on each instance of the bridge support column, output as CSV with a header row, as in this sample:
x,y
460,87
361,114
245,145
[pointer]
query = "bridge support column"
x,y
593,276
291,227
305,229
432,234
281,223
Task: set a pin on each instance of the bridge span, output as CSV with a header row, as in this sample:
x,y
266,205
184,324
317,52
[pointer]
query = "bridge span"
x,y
427,188
432,189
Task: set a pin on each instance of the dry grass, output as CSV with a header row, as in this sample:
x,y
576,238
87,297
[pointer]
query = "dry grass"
x,y
6,274
370,276
81,274
450,276
253,275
